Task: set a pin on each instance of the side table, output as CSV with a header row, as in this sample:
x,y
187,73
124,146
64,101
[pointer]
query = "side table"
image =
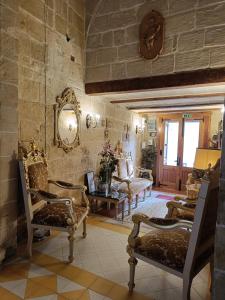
x,y
115,198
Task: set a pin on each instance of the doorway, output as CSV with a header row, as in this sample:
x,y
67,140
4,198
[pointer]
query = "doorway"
x,y
180,135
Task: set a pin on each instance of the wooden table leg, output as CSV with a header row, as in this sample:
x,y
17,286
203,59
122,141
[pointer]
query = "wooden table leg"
x,y
116,206
108,205
123,209
129,206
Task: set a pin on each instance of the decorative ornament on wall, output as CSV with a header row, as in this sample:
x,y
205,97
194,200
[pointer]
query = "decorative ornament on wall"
x,y
151,33
67,121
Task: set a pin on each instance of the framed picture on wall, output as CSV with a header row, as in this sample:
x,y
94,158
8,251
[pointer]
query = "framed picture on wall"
x,y
90,182
152,125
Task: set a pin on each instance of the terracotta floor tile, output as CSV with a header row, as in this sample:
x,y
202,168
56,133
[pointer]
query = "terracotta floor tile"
x,y
6,295
102,286
74,295
34,289
49,281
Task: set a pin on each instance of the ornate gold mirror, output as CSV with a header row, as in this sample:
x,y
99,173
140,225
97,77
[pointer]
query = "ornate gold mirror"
x,y
67,120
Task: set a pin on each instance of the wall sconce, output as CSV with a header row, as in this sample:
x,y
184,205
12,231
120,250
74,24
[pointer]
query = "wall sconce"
x,y
140,127
92,120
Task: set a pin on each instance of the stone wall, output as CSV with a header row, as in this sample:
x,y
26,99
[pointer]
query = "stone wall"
x,y
8,124
48,63
45,70
194,37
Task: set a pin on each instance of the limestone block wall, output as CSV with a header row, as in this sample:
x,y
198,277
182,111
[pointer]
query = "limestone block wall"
x,y
45,70
8,124
194,37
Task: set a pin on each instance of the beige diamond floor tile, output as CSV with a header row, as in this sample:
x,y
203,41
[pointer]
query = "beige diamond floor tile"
x,y
66,285
16,287
35,271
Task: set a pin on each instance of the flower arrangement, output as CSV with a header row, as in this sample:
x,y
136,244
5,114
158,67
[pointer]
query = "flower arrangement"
x,y
108,162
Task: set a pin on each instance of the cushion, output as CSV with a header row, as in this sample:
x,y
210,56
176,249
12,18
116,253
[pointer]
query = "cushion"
x,y
122,168
168,247
38,178
130,168
56,214
137,185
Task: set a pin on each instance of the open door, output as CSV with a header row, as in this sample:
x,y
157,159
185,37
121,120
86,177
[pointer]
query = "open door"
x,y
179,138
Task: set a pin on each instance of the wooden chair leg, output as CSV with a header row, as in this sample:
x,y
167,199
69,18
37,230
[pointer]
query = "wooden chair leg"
x,y
137,197
84,228
71,244
150,190
29,241
144,195
211,273
186,289
132,262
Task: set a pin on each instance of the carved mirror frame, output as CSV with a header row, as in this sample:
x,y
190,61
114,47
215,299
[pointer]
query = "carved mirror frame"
x,y
67,97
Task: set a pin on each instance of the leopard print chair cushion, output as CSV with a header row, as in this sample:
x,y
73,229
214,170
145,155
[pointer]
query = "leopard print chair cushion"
x,y
56,214
38,178
168,247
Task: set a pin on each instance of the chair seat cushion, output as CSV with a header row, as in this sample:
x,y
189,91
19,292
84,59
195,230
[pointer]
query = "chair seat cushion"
x,y
56,214
38,178
168,247
137,185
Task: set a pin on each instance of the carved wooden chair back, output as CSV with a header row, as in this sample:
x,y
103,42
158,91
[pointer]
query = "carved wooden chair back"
x,y
201,244
28,160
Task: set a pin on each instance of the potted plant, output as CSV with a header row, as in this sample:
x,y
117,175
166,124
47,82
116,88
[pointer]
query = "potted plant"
x,y
108,164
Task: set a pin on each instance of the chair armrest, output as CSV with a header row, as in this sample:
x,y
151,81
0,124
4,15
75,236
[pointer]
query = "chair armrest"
x,y
149,171
49,197
177,205
165,224
161,223
121,180
67,185
71,186
53,198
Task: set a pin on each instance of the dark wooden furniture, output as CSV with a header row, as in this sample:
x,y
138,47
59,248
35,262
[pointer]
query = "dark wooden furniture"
x,y
115,198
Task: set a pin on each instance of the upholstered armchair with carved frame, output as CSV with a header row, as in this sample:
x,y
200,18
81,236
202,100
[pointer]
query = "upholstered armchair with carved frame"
x,y
180,247
46,210
130,182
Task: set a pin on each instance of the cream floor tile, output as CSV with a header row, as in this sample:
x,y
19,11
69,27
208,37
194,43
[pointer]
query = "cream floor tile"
x,y
103,253
16,287
66,285
35,271
172,294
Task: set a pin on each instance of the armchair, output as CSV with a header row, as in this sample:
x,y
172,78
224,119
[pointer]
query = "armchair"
x,y
129,181
46,210
171,246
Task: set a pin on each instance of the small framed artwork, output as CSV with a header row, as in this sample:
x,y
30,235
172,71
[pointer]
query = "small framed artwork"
x,y
153,134
152,125
90,182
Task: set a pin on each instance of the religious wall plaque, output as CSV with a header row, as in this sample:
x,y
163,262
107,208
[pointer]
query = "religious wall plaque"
x,y
151,34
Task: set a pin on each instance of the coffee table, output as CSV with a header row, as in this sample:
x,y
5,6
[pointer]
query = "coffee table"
x,y
114,197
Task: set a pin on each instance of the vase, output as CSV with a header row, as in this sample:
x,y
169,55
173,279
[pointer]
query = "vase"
x,y
106,177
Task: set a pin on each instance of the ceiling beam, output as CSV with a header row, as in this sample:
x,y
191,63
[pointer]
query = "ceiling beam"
x,y
150,99
175,106
188,78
